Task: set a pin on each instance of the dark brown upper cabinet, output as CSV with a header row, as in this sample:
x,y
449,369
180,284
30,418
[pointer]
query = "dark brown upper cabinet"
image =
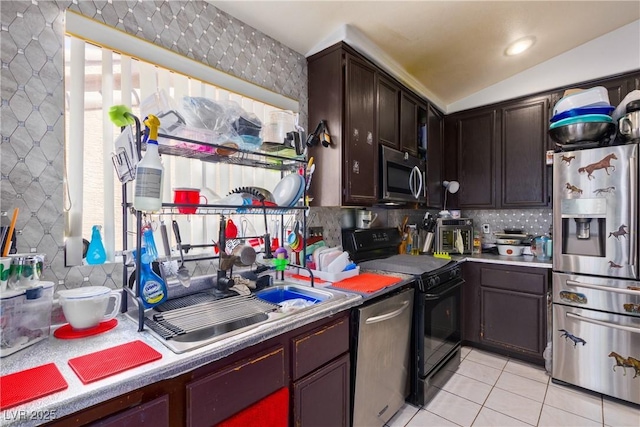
x,y
388,112
476,138
342,92
409,123
524,145
501,155
500,148
435,157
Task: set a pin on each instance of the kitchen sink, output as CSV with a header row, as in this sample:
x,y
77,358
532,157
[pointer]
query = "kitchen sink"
x,y
221,329
281,293
206,318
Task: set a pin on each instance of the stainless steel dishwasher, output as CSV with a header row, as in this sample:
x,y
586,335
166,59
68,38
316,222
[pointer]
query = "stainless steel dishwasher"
x,y
382,366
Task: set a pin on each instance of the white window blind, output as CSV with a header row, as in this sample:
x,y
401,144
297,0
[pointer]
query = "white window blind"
x,y
98,77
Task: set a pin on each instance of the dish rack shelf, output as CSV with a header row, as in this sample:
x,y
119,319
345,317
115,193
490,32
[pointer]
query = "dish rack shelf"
x,y
207,152
171,209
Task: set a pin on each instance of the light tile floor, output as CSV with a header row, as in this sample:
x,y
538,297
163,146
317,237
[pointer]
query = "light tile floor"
x,y
495,391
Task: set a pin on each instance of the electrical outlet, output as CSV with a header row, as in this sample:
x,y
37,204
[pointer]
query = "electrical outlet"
x,y
486,229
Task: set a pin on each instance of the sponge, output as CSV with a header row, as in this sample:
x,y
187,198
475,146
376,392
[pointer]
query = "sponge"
x,y
120,115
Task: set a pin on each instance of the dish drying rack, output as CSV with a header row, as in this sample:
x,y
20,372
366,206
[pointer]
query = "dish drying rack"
x,y
128,151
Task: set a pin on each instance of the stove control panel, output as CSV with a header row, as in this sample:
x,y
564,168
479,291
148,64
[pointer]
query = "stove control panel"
x,y
370,243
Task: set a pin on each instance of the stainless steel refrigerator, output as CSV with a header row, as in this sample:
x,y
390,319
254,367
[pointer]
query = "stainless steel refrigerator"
x,y
596,291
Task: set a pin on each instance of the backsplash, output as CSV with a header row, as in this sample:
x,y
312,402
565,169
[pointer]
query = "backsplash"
x,y
33,96
531,221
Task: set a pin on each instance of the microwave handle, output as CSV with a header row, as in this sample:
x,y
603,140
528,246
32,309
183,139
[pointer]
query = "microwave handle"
x,y
419,178
415,177
411,181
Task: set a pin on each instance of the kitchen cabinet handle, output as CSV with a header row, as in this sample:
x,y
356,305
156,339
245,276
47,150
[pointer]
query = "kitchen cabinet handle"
x,y
389,315
602,323
575,283
424,188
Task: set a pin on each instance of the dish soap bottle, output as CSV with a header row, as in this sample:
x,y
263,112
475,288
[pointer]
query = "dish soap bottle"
x,y
96,253
149,172
153,289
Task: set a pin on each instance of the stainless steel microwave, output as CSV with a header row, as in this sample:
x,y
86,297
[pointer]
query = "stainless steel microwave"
x,y
402,177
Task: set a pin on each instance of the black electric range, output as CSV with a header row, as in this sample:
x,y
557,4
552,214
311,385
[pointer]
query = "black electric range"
x,y
377,249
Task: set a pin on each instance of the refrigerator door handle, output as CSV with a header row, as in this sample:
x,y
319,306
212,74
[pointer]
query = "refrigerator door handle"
x,y
633,202
575,283
605,324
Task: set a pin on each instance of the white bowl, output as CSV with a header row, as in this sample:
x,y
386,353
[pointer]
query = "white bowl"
x,y
85,307
510,250
595,96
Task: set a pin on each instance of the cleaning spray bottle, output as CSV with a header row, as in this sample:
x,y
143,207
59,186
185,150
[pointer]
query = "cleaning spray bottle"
x,y
153,289
149,172
96,253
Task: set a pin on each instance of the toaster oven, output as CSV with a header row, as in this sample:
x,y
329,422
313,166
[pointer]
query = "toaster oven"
x,y
449,230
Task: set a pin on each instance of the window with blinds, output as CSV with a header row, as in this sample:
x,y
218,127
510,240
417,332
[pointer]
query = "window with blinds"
x,y
97,78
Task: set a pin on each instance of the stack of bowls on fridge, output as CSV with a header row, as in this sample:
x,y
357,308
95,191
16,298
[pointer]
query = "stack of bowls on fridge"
x,y
582,119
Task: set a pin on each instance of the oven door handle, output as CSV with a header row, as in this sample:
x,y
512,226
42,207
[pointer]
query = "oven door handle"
x,y
575,283
602,323
387,316
430,297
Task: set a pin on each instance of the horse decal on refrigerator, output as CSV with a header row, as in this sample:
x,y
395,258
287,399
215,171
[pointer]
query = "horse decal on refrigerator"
x,y
569,336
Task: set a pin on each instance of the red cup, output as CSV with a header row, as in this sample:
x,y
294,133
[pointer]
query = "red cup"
x,y
187,196
231,231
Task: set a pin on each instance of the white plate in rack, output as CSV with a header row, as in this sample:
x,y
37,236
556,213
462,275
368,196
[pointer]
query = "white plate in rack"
x,y
287,190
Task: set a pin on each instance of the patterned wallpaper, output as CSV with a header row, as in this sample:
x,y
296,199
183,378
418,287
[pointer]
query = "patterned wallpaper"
x,y
32,100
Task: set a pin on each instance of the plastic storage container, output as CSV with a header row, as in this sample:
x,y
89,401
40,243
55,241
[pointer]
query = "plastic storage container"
x,y
25,316
595,97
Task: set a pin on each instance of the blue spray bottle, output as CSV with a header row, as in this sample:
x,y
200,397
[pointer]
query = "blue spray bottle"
x,y
96,253
152,289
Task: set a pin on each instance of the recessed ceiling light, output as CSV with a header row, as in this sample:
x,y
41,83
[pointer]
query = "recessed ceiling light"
x,y
520,46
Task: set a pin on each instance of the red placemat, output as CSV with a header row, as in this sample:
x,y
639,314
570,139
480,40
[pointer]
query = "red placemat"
x,y
367,282
66,332
25,386
307,278
101,364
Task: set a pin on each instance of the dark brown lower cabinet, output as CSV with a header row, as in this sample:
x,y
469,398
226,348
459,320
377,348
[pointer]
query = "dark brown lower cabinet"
x,y
322,398
151,414
224,393
513,320
505,309
310,363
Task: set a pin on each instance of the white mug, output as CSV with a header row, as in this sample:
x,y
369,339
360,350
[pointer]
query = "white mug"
x,y
365,218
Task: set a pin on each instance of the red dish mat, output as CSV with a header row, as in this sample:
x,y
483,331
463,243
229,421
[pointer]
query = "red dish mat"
x,y
367,282
101,364
307,278
25,386
66,332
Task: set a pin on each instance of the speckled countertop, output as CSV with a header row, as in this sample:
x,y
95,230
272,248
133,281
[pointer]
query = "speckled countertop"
x,y
522,260
79,396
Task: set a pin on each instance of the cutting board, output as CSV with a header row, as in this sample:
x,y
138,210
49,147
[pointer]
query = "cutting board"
x,y
367,282
25,386
101,364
